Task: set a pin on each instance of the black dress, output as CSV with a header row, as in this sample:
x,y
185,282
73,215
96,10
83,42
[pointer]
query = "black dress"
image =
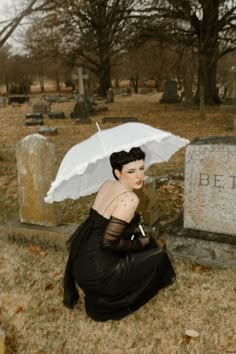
x,y
113,268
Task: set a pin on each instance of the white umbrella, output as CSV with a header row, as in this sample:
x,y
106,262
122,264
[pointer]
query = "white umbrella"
x,y
87,165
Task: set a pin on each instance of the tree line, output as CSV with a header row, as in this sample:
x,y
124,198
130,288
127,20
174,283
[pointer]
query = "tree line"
x,y
132,39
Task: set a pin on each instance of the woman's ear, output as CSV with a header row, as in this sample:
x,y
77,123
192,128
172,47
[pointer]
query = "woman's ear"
x,y
117,173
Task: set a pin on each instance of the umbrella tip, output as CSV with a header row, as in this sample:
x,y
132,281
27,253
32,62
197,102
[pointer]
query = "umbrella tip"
x,y
98,128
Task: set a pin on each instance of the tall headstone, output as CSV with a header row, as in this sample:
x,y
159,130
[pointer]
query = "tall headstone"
x,y
210,185
170,94
36,168
230,97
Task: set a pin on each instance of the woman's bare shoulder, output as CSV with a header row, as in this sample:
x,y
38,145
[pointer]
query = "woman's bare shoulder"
x,y
126,206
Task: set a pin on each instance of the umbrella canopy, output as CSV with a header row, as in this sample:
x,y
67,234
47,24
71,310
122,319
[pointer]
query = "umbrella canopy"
x,y
87,165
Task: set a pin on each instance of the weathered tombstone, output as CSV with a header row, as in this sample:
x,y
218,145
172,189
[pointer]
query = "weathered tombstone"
x,y
34,115
207,232
110,95
56,115
81,111
3,101
210,185
170,94
48,131
34,121
230,97
41,107
119,119
54,99
148,201
2,341
18,99
36,166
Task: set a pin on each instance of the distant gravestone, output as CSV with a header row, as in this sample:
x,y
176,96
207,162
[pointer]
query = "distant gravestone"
x,y
119,119
230,97
34,119
170,94
48,131
56,115
41,107
3,101
210,185
36,168
18,99
110,95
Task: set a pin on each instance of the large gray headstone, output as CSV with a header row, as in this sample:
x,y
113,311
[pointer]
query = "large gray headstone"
x,y
210,185
36,169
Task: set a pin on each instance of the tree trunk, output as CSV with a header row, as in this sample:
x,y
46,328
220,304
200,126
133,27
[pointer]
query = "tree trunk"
x,y
207,75
134,81
104,75
208,35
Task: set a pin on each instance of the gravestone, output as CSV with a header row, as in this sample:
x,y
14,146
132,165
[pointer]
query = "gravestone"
x,y
230,97
148,201
210,185
56,115
206,231
3,101
119,119
170,94
35,170
110,95
34,119
48,131
41,107
18,99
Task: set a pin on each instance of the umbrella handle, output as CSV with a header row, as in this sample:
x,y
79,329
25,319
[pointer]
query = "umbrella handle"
x,y
142,230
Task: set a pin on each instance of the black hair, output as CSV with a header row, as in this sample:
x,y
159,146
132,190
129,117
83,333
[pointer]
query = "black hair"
x,y
121,158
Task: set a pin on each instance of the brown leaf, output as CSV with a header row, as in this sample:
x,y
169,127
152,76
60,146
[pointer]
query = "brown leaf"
x,y
35,249
19,309
49,286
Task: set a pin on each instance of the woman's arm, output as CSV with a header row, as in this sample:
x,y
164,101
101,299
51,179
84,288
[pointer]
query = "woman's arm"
x,y
121,216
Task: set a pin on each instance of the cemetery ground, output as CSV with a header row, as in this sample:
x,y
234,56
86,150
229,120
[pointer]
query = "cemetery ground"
x,y
31,310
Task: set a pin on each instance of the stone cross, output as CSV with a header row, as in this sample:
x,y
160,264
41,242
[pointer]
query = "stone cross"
x,y
210,185
82,77
36,168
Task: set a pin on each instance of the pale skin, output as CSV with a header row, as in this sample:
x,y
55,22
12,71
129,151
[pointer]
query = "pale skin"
x,y
117,198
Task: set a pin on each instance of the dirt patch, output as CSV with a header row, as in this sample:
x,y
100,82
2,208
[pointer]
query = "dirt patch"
x,y
31,311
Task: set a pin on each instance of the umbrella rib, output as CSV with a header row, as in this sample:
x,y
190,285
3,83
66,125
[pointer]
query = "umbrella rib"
x,y
99,137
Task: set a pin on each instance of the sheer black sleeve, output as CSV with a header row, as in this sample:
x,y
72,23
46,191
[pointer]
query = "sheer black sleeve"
x,y
112,238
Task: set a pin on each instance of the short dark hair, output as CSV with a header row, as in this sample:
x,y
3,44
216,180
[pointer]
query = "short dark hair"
x,y
121,158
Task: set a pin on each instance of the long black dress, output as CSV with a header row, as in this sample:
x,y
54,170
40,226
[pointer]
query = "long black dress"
x,y
117,274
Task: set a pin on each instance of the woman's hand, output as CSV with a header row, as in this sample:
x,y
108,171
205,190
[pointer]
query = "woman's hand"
x,y
144,241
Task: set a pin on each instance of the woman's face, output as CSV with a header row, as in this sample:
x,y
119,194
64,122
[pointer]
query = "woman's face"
x,y
132,174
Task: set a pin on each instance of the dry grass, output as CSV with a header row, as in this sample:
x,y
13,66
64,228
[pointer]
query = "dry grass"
x,y
31,311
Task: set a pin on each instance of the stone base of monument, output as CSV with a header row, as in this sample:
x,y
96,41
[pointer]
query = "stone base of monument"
x,y
2,341
50,237
207,248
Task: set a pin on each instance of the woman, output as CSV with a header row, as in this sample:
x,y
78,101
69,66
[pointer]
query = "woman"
x,y
118,269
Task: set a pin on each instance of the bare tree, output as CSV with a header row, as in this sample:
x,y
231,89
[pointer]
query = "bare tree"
x,y
92,32
208,26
